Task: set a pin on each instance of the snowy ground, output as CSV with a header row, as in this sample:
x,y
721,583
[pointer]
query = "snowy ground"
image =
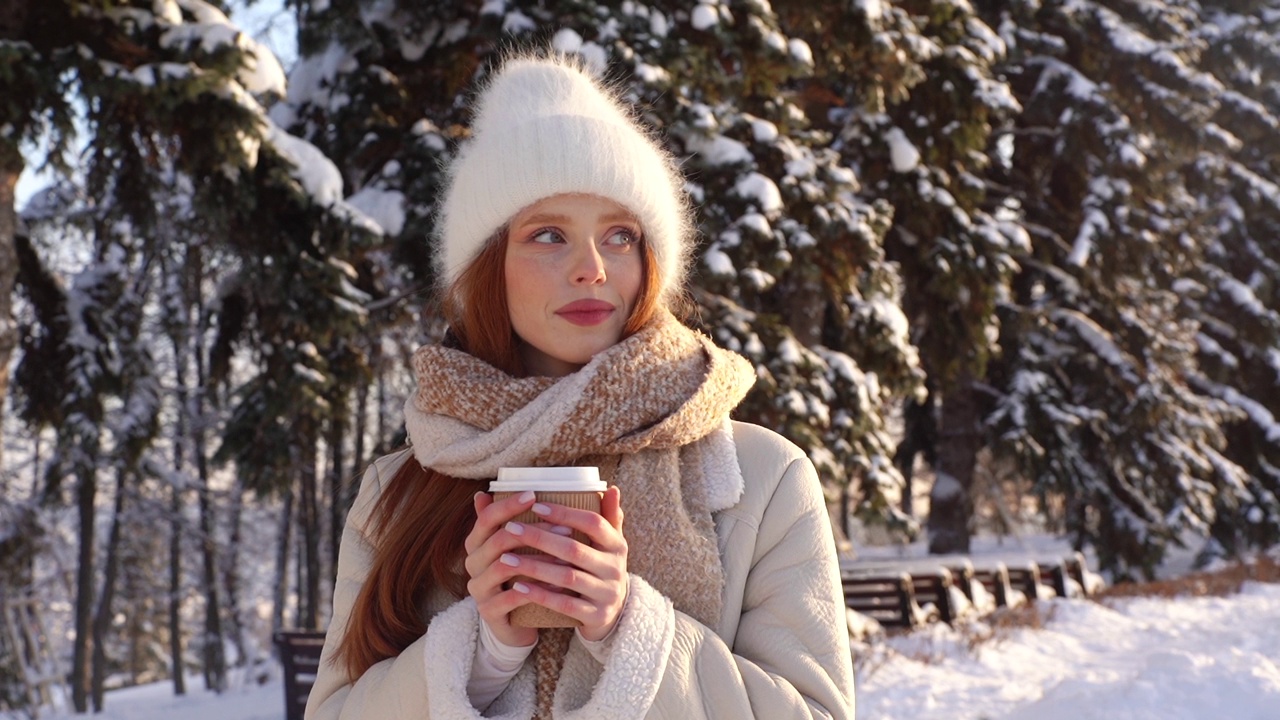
x,y
1130,659
157,702
1125,659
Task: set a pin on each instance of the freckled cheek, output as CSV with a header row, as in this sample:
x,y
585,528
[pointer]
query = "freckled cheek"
x,y
627,276
525,280
523,300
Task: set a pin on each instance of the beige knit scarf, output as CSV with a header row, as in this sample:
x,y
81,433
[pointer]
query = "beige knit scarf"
x,y
651,412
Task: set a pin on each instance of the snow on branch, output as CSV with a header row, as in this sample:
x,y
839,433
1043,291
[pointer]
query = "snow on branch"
x,y
260,73
1248,106
1257,412
1077,85
1263,188
1099,340
316,174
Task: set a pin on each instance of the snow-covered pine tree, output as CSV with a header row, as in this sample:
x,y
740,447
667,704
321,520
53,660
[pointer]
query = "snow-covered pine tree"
x,y
371,83
377,88
1236,288
98,398
76,335
170,91
792,273
1095,401
291,309
925,102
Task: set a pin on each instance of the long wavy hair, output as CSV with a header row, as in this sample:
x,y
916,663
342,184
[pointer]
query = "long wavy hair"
x,y
422,518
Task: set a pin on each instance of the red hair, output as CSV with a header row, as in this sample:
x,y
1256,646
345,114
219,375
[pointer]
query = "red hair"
x,y
422,518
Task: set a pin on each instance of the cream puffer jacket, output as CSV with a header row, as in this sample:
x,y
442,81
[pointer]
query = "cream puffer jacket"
x,y
781,649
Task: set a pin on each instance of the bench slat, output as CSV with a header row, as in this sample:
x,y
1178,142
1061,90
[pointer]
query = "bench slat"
x,y
300,655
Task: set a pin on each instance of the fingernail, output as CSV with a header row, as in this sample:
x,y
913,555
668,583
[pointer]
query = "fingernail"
x,y
540,509
520,588
515,528
509,559
561,530
527,496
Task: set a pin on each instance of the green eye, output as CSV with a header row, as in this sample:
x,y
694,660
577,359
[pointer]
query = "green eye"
x,y
623,237
546,237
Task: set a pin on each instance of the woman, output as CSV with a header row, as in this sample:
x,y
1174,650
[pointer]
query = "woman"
x,y
563,242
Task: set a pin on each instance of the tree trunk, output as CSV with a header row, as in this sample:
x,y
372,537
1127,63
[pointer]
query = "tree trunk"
x,y
102,617
86,491
919,437
951,500
178,487
14,15
361,427
281,593
10,168
309,546
175,586
337,473
846,506
231,575
376,362
215,661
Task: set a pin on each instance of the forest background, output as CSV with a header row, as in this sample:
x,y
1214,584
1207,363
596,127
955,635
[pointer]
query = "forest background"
x,y
1015,259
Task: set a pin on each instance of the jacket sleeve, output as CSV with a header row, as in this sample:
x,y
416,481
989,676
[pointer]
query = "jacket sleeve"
x,y
428,679
789,656
392,688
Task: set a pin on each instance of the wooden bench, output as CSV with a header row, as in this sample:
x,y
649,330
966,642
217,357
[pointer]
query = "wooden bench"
x,y
933,587
873,585
888,598
986,587
995,578
906,592
1025,576
1067,576
1048,577
300,656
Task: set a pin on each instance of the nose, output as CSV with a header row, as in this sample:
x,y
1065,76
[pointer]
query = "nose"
x,y
588,266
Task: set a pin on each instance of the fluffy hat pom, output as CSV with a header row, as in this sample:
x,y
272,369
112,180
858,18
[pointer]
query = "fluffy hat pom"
x,y
544,126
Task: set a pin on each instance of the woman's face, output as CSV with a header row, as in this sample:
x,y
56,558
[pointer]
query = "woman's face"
x,y
573,274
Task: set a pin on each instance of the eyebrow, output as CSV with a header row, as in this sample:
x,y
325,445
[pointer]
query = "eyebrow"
x,y
556,219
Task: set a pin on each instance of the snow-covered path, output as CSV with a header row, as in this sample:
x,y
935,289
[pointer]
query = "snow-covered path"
x,y
1130,659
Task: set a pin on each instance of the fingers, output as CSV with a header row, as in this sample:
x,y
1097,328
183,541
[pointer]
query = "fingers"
x,y
487,539
597,617
584,580
611,506
486,545
491,515
495,609
604,533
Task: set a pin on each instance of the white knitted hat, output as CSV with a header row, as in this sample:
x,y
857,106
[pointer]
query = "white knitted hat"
x,y
543,126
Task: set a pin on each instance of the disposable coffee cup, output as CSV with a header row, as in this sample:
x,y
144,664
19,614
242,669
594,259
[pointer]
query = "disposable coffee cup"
x,y
575,487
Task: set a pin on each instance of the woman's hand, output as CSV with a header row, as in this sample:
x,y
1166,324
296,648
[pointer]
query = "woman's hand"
x,y
487,545
595,574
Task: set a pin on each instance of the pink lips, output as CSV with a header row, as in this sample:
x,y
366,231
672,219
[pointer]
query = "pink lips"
x,y
586,312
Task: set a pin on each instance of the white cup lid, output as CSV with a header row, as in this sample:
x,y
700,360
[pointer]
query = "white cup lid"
x,y
548,479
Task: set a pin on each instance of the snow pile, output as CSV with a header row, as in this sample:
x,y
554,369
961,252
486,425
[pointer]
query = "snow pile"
x,y
1135,658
